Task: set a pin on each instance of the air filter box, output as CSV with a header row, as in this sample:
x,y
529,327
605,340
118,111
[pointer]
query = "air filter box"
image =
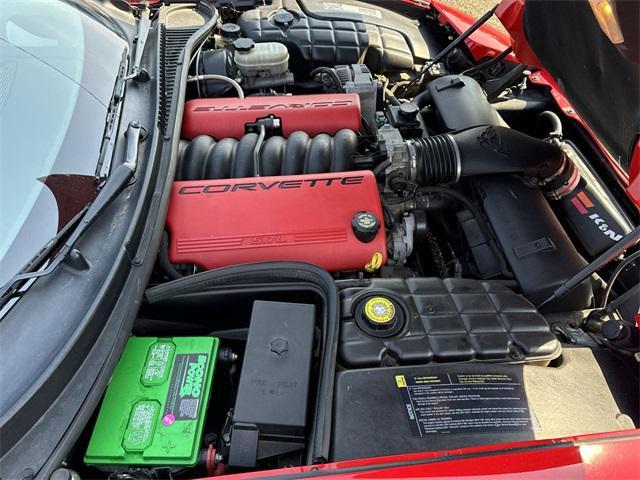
x,y
154,409
271,407
540,253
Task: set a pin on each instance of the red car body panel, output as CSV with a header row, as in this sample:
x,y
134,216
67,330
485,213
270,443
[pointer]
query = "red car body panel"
x,y
485,42
510,14
590,457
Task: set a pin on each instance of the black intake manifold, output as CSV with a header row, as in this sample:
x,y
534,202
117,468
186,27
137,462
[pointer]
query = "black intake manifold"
x,y
204,158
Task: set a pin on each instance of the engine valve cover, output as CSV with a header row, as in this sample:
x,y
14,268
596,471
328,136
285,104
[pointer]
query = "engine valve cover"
x,y
304,218
313,114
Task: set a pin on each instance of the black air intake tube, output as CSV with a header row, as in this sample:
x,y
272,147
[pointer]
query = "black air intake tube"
x,y
204,158
491,150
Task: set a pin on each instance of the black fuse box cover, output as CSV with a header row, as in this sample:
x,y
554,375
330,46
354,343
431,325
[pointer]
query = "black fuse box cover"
x,y
450,320
274,381
271,404
387,411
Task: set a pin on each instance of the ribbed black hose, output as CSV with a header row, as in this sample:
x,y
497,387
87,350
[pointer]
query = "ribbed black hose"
x,y
440,159
204,158
488,150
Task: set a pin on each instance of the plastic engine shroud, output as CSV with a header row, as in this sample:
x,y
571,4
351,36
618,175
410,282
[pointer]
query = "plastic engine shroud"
x,y
313,114
304,218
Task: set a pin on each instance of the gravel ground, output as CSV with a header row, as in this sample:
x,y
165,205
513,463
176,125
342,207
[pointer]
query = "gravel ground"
x,y
476,8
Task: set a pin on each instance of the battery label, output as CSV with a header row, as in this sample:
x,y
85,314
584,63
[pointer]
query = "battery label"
x,y
185,389
464,403
156,366
139,432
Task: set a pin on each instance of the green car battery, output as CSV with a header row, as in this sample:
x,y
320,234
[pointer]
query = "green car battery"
x,y
154,409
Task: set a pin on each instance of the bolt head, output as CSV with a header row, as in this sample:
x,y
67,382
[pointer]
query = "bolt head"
x,y
28,474
279,346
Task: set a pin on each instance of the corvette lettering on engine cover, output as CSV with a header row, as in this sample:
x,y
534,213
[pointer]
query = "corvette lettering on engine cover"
x,y
218,187
305,218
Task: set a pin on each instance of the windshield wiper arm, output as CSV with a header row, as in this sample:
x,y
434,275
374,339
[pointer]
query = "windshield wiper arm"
x,y
113,116
116,182
144,26
136,73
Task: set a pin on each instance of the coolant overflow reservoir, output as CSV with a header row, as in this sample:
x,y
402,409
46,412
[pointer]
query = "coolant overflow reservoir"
x,y
267,59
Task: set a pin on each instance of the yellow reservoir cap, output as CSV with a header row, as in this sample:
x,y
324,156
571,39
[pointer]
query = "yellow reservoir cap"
x,y
380,310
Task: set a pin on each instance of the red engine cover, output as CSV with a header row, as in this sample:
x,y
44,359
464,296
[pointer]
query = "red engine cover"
x,y
304,218
314,114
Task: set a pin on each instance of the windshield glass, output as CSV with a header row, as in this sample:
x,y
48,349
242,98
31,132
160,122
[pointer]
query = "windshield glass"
x,y
58,68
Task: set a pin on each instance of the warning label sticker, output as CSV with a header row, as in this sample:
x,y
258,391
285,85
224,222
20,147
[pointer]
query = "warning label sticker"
x,y
185,389
464,403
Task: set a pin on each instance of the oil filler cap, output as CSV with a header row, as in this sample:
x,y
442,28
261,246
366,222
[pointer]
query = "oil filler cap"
x,y
379,316
365,226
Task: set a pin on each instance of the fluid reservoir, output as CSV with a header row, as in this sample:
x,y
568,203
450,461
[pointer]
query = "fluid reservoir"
x,y
267,59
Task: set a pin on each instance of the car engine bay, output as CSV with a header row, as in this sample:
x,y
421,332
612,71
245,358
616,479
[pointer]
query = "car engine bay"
x,y
370,249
